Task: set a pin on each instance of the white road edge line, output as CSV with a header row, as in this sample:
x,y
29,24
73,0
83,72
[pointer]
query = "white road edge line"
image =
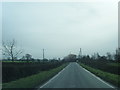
x,y
54,77
98,78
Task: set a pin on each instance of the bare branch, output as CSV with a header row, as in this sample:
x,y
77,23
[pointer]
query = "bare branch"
x,y
10,50
6,49
18,53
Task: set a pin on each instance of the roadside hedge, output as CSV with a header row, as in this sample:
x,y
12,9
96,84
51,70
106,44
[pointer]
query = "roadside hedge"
x,y
15,70
104,65
34,81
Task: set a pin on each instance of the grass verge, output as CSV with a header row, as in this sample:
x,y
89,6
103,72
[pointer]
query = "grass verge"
x,y
112,78
34,80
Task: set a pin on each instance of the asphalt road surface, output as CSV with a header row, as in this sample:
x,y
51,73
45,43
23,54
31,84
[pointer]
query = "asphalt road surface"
x,y
74,76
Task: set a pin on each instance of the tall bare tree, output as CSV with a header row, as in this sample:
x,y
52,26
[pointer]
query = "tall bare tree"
x,y
10,50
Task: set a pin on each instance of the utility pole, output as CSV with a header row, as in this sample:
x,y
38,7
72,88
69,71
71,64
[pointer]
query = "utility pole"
x,y
43,54
80,53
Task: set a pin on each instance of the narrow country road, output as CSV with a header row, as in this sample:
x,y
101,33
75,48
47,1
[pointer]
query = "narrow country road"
x,y
74,76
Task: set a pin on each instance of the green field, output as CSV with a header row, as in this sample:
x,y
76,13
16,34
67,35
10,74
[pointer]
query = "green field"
x,y
34,80
111,78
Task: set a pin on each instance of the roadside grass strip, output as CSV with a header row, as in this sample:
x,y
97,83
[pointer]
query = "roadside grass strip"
x,y
111,78
34,80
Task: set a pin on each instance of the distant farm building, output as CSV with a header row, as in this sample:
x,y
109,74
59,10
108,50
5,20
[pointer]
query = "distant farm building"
x,y
70,57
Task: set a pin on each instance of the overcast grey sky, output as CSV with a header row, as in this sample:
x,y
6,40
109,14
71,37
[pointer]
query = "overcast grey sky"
x,y
61,28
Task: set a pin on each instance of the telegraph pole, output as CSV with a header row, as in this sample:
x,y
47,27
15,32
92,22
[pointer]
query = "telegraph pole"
x,y
80,53
43,54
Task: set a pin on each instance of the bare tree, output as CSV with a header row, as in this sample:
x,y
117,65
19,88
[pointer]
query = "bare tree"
x,y
10,50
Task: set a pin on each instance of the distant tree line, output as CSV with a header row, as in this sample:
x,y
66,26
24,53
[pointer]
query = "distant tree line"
x,y
111,57
11,51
